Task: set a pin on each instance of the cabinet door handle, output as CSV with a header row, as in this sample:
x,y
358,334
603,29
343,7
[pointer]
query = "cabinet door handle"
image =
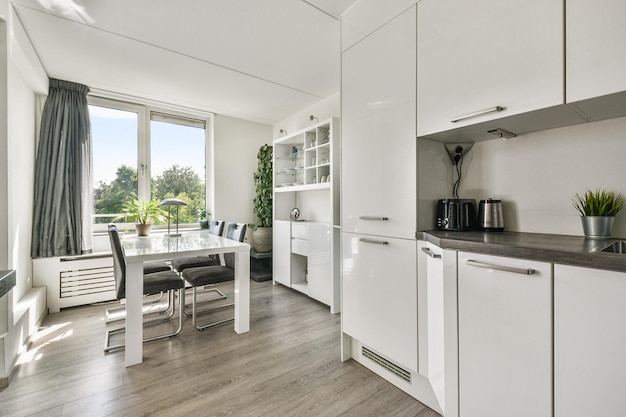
x,y
373,218
377,242
430,253
477,113
522,271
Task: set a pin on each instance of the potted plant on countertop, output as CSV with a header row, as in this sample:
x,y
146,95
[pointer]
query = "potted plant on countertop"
x,y
261,235
143,213
598,209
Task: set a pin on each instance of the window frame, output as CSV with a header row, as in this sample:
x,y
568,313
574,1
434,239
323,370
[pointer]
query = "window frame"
x,y
145,110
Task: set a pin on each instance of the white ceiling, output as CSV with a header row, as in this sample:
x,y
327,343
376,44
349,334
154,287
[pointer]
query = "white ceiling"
x,y
259,60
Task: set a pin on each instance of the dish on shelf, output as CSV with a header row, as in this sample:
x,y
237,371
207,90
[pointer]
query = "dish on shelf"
x,y
290,170
299,168
286,184
298,183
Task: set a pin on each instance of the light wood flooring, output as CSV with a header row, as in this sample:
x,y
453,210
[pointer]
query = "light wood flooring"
x,y
287,365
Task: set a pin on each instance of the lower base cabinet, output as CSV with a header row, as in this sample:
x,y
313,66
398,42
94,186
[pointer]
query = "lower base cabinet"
x,y
380,295
504,337
304,260
589,342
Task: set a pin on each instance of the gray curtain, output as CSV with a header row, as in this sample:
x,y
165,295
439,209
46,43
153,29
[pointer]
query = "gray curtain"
x,y
63,192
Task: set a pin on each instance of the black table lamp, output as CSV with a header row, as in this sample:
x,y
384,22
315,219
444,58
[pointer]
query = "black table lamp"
x,y
169,202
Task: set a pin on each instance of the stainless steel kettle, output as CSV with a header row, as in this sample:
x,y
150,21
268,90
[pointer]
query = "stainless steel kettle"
x,y
490,216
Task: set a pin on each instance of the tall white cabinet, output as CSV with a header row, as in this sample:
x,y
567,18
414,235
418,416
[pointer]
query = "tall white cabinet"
x,y
306,177
379,205
378,195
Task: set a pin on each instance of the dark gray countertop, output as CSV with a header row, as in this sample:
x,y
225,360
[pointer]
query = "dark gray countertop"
x,y
560,249
7,281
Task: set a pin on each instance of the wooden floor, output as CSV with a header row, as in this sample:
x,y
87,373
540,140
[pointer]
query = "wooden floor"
x,y
287,365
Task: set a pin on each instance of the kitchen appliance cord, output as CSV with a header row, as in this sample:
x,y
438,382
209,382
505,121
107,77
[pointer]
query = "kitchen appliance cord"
x,y
458,165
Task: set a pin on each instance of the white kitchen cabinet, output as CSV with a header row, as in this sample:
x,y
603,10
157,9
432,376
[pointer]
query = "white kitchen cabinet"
x,y
504,336
306,176
281,252
379,168
589,342
430,315
486,59
304,261
380,295
595,52
596,58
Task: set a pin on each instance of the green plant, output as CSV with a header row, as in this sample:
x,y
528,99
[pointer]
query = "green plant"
x,y
598,203
143,212
263,182
204,214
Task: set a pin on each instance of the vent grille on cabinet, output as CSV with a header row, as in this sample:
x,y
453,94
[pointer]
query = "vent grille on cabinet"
x,y
390,366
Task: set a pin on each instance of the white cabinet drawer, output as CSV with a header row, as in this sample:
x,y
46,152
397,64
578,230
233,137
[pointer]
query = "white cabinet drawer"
x,y
299,230
300,247
380,295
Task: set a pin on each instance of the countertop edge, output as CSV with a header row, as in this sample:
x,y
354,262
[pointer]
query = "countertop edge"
x,y
557,249
7,281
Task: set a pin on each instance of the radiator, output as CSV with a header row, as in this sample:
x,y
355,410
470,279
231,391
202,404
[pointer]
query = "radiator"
x,y
75,280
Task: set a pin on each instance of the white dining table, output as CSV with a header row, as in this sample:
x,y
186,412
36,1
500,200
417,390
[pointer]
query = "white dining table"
x,y
163,247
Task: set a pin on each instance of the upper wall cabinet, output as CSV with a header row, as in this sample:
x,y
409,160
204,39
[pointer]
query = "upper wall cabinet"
x,y
487,59
596,56
378,168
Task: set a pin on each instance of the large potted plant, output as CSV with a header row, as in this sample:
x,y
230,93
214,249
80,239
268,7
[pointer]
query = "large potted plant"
x,y
598,209
261,236
143,213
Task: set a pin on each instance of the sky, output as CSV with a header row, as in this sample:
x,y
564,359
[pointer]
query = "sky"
x,y
114,134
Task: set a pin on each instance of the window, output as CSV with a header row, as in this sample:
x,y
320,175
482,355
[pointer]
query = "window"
x,y
152,154
178,163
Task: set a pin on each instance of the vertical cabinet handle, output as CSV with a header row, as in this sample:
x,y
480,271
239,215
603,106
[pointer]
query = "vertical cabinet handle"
x,y
529,271
430,253
477,113
373,218
377,242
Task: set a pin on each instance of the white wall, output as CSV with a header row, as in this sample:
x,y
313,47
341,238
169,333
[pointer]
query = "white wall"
x,y
324,109
22,79
236,143
537,174
21,145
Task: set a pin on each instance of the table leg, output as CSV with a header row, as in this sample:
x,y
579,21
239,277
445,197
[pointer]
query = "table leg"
x,y
134,313
242,292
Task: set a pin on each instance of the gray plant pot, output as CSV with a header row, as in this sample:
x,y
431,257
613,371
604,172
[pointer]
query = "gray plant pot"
x,y
262,239
597,227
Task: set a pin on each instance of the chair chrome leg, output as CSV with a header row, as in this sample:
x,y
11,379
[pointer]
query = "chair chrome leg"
x,y
108,347
194,315
114,314
220,296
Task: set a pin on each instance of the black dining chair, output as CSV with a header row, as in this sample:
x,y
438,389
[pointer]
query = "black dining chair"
x,y
214,274
216,227
150,267
153,283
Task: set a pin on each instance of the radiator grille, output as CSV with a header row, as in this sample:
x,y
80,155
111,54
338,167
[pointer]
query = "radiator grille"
x,y
390,366
86,281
